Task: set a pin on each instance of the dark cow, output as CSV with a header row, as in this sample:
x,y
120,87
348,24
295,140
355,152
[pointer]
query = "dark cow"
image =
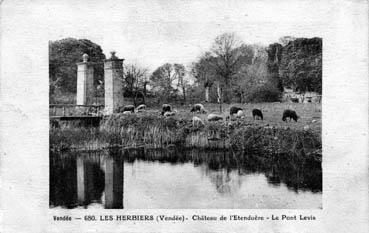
x,y
256,113
129,108
288,113
166,108
234,110
198,108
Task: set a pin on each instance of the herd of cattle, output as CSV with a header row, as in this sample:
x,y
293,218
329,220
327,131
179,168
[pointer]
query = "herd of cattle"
x,y
234,111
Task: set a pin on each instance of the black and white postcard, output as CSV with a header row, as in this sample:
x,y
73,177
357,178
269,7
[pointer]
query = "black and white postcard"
x,y
184,116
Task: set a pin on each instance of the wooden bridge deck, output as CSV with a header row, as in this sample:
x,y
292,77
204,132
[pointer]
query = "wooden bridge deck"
x,y
83,115
72,118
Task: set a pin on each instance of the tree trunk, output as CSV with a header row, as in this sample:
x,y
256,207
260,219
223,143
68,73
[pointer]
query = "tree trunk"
x,y
219,90
184,93
207,94
144,91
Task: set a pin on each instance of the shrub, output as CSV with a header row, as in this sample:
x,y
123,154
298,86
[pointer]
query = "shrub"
x,y
265,93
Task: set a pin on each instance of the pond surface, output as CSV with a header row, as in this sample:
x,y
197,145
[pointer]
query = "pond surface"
x,y
183,179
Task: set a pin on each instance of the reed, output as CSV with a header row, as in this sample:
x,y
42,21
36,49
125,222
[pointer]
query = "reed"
x,y
153,131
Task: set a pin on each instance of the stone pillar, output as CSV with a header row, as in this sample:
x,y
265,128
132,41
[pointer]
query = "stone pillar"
x,y
85,82
113,72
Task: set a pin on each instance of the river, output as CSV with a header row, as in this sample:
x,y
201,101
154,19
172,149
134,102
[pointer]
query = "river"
x,y
183,179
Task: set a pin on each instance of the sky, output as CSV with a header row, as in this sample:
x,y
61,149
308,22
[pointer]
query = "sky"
x,y
151,33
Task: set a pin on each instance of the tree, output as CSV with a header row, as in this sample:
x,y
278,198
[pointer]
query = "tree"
x,y
251,77
135,82
230,56
204,73
274,60
163,81
301,65
284,40
180,71
63,56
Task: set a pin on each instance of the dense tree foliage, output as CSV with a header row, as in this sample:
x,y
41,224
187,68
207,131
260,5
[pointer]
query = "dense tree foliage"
x,y
273,63
301,65
166,80
63,56
204,73
256,83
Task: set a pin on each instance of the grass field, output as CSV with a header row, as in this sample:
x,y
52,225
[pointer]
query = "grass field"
x,y
309,113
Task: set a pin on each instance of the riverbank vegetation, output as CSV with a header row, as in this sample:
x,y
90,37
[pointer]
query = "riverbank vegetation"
x,y
150,130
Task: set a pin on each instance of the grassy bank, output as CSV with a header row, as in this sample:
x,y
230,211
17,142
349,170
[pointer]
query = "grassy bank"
x,y
153,131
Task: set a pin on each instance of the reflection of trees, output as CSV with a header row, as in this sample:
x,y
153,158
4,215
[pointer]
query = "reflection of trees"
x,y
63,182
297,172
104,170
225,181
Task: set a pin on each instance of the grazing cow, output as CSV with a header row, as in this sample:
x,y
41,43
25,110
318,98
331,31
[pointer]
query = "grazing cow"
x,y
196,121
130,108
256,113
198,108
289,114
141,107
234,110
166,108
240,114
168,114
214,117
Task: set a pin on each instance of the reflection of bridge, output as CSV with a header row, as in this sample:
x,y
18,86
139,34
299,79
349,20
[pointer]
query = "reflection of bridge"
x,y
114,178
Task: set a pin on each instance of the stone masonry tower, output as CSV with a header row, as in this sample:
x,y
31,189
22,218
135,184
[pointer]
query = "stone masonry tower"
x,y
113,72
85,81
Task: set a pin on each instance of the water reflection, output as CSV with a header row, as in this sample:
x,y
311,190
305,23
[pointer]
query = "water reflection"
x,y
166,178
86,178
90,182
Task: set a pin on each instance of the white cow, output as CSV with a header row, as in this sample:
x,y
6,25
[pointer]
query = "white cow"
x,y
240,114
214,117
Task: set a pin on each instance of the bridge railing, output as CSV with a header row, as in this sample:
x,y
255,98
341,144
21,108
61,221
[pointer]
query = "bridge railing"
x,y
75,110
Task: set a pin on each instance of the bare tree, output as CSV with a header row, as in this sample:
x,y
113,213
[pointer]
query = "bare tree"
x,y
135,80
230,55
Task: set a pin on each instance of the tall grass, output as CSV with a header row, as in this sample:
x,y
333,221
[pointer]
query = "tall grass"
x,y
153,131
